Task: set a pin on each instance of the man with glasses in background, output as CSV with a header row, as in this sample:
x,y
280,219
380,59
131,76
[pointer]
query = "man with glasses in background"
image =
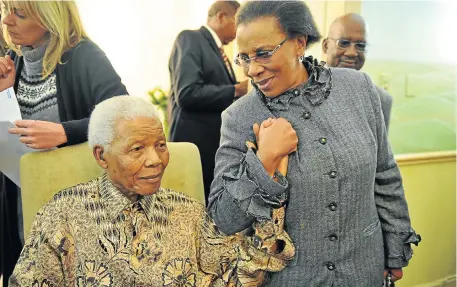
x,y
346,46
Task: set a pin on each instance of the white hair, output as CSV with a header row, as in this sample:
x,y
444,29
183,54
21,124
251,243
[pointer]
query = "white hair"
x,y
105,115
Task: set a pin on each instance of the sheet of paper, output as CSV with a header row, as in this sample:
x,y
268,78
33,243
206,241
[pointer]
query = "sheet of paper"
x,y
9,107
11,150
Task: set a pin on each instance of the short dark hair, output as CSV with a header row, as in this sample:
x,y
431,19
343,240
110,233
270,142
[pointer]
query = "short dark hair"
x,y
294,17
222,5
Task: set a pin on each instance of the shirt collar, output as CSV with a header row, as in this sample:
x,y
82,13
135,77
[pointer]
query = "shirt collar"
x,y
215,36
115,202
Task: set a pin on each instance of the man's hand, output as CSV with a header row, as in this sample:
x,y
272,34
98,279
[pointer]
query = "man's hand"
x,y
241,88
7,73
39,134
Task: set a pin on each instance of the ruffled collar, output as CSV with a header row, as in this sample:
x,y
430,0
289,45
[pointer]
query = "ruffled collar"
x,y
316,89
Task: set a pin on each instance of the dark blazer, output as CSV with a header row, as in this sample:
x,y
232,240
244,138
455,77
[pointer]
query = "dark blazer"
x,y
201,88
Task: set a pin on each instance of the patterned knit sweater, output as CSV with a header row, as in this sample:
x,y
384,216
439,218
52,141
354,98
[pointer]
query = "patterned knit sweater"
x,y
37,96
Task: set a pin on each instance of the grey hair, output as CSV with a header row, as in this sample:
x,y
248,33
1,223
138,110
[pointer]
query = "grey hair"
x,y
103,119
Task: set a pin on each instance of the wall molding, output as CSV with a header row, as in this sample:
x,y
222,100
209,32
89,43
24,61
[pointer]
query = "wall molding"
x,y
443,282
424,158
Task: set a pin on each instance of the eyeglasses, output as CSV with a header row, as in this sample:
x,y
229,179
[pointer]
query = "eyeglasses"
x,y
345,44
261,57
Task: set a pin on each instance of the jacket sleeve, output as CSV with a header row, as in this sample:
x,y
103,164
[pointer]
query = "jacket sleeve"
x,y
191,91
93,75
389,195
76,131
386,105
242,190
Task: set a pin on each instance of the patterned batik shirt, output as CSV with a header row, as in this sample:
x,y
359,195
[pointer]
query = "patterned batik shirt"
x,y
93,235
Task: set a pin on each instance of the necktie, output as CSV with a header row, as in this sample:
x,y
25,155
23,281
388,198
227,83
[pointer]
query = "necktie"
x,y
227,63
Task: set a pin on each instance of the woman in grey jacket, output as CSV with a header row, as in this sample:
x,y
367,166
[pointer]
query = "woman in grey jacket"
x,y
346,210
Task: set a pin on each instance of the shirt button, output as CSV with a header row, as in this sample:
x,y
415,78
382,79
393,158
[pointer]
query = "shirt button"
x,y
296,92
333,237
307,115
323,140
332,206
257,242
330,266
332,174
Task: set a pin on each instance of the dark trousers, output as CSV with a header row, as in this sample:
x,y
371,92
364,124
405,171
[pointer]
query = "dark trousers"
x,y
207,156
10,243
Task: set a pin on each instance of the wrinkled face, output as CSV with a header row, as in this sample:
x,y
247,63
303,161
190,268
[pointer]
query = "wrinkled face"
x,y
22,29
345,58
283,70
138,156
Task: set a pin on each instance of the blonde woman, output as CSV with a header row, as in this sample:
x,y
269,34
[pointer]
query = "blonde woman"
x,y
59,75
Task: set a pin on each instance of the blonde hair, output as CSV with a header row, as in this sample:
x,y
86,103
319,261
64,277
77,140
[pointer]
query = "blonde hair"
x,y
60,18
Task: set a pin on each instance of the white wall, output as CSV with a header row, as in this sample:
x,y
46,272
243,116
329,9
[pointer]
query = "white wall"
x,y
137,35
416,31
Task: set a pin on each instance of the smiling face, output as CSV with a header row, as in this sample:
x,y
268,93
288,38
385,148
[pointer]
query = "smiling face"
x,y
347,28
138,156
283,70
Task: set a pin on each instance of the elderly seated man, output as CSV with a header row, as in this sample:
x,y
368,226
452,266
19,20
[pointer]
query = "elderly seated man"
x,y
123,229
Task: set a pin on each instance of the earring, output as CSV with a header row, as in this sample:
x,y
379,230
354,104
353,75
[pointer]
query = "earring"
x,y
301,58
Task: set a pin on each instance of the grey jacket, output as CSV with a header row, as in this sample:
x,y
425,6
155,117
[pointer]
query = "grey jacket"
x,y
346,210
386,104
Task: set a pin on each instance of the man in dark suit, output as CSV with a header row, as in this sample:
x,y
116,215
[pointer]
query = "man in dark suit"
x,y
346,46
203,84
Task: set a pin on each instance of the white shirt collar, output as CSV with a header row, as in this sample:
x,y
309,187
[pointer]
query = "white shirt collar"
x,y
215,36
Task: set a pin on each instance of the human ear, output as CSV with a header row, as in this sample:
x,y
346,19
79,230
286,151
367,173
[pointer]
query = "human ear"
x,y
325,46
98,152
